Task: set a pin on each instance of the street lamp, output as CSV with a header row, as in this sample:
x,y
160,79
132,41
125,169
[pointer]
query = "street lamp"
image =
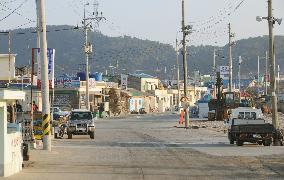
x,y
278,20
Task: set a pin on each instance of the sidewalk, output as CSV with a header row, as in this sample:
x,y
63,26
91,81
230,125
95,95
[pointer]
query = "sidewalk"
x,y
67,163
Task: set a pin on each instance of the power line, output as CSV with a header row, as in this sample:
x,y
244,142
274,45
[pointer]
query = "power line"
x,y
14,10
30,20
56,30
208,30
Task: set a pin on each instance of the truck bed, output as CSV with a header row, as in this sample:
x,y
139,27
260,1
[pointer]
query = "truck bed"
x,y
253,128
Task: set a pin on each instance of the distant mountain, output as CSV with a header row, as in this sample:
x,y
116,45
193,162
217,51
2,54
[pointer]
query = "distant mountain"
x,y
134,54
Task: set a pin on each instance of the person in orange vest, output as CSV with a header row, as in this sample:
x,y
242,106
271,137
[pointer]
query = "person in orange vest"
x,y
181,119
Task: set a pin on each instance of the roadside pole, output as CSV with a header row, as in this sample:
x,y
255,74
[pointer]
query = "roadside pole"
x,y
275,120
230,60
214,70
32,111
184,32
86,49
214,62
278,82
257,70
266,72
177,53
240,62
44,80
33,64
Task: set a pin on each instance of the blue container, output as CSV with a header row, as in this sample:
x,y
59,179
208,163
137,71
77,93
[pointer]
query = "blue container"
x,y
82,76
99,76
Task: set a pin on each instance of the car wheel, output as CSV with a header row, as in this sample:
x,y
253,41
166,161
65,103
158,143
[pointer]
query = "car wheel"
x,y
232,141
239,142
259,142
267,142
92,135
231,138
69,135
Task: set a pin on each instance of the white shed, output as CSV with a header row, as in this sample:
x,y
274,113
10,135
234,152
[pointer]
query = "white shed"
x,y
7,64
11,157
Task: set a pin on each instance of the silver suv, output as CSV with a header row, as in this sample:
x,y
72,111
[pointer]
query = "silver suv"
x,y
81,122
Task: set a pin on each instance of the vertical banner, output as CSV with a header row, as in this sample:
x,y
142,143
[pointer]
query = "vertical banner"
x,y
123,82
50,59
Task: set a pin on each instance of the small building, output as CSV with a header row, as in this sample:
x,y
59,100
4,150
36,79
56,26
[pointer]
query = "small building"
x,y
139,100
72,94
7,64
143,82
164,100
11,157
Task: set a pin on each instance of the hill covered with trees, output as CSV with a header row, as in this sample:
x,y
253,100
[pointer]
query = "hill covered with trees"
x,y
133,54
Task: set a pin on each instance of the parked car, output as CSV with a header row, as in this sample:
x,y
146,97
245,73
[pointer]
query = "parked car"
x,y
81,122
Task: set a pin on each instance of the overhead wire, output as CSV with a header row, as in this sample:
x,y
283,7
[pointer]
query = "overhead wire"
x,y
210,28
9,9
13,11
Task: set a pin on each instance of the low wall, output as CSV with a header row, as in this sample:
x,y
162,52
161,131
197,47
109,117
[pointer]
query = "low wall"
x,y
13,155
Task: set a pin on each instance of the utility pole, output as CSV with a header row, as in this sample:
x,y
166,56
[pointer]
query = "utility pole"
x,y
258,70
214,62
38,23
240,62
214,69
177,53
266,72
258,81
38,31
230,59
271,21
117,68
88,49
275,121
44,80
185,32
37,2
278,84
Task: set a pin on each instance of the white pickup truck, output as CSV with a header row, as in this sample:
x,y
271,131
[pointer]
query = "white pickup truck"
x,y
246,124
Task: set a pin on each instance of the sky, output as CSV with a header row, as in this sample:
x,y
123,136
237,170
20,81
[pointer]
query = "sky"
x,y
157,20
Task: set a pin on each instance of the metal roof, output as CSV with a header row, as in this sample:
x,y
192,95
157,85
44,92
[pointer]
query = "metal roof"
x,y
143,75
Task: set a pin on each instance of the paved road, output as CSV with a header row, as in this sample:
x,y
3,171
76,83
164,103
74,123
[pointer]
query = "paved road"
x,y
150,147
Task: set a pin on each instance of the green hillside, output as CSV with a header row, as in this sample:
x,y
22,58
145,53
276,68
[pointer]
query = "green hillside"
x,y
135,54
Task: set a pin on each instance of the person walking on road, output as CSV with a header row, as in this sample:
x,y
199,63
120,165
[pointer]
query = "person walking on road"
x,y
35,107
181,119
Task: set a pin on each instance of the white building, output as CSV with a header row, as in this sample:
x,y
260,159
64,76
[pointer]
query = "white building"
x,y
7,64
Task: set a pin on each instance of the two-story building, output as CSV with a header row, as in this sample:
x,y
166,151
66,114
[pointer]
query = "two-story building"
x,y
143,82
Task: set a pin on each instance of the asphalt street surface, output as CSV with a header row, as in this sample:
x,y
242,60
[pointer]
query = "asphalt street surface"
x,y
152,147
